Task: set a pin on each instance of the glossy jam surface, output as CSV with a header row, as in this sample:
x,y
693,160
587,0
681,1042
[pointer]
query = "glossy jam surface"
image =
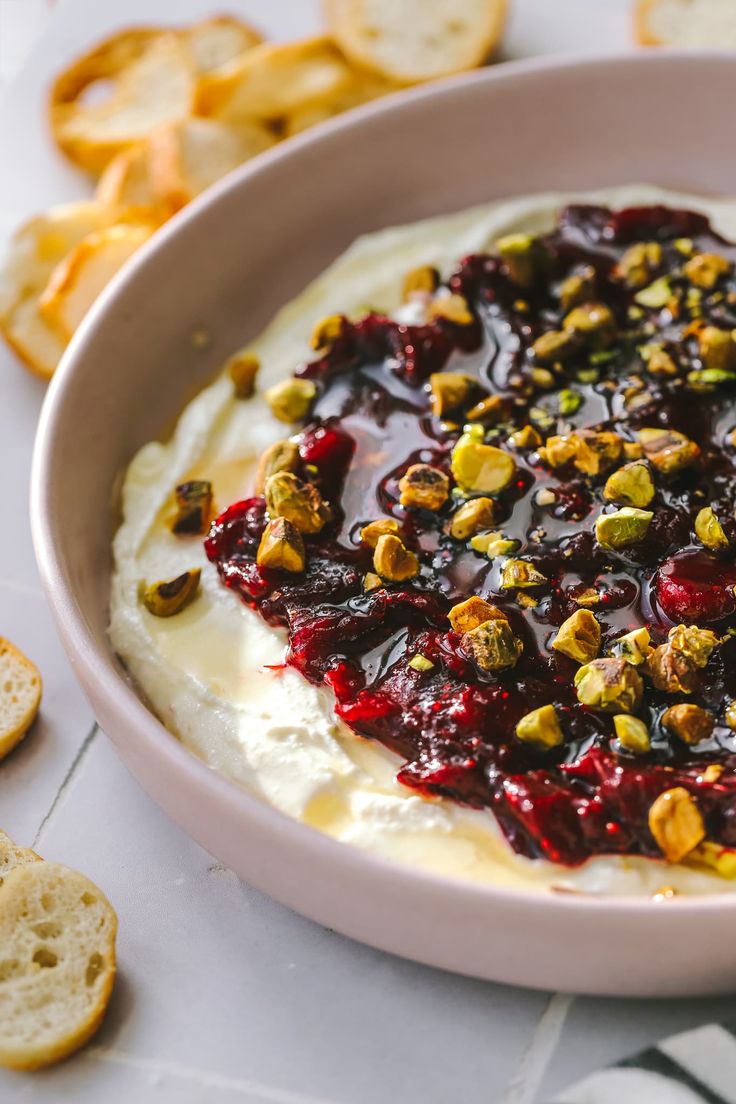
x,y
454,723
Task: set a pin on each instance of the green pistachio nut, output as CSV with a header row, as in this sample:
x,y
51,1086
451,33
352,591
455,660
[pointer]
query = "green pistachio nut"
x,y
623,527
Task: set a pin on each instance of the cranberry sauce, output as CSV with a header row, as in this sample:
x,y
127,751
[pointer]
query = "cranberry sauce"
x,y
639,356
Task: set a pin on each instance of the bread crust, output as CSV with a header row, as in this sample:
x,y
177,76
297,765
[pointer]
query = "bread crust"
x,y
11,737
642,31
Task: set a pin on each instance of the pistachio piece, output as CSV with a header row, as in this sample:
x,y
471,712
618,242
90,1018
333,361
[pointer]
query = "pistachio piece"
x,y
472,517
370,533
591,321
424,278
424,487
633,646
281,456
639,263
655,295
420,663
667,449
243,367
479,467
695,643
371,581
569,401
541,726
705,269
709,530
166,598
577,288
631,485
489,411
493,544
193,507
326,332
579,637
590,452
730,715
492,645
632,734
525,438
448,390
708,379
553,346
623,527
472,612
393,561
717,349
289,497
521,574
633,450
524,258
281,547
658,360
610,685
676,823
690,723
720,859
542,377
670,670
453,308
589,597
290,400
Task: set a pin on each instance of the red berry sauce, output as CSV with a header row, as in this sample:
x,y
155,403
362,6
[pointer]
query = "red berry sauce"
x,y
454,725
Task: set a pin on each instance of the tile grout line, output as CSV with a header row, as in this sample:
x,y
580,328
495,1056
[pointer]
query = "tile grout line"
x,y
75,763
206,1078
525,1084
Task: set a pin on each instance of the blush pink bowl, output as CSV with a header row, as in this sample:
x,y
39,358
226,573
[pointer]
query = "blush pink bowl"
x,y
225,265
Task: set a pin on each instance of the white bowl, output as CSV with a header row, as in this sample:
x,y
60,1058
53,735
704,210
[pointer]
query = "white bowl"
x,y
255,240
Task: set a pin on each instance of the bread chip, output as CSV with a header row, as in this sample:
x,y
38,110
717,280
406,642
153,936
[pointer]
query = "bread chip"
x,y
273,81
217,41
20,696
149,78
127,184
686,23
361,88
416,40
77,281
11,855
57,963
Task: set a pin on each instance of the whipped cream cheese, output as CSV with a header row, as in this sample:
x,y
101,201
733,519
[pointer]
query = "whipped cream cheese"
x,y
214,674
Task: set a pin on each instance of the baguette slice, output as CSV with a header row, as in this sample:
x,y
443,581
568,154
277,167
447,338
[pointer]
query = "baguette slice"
x,y
20,697
686,23
11,855
57,963
417,39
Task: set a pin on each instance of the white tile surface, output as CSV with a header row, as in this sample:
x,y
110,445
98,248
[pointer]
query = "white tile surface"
x,y
223,995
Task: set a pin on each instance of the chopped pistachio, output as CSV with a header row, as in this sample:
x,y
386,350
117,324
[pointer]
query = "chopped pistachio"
x,y
705,269
420,663
524,257
671,670
684,246
579,637
709,530
690,723
631,485
658,360
639,263
610,685
577,288
669,450
708,379
542,377
169,597
448,390
193,507
526,601
489,411
588,375
290,400
243,367
656,295
589,451
695,643
545,497
720,859
588,597
326,332
393,561
632,733
591,320
289,497
472,612
453,308
522,574
676,823
541,726
371,581
712,772
493,544
569,401
479,467
633,450
471,518
731,715
717,349
525,438
623,527
633,646
553,346
370,533
492,645
281,547
424,487
474,432
424,278
281,456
